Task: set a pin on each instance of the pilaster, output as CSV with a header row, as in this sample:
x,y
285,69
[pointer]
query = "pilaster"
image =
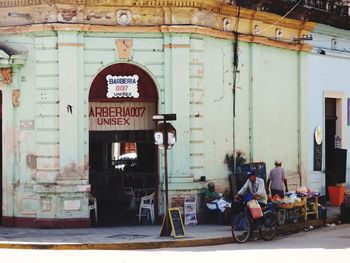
x,y
71,105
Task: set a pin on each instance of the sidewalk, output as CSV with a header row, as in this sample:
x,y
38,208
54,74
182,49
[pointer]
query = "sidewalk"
x,y
132,237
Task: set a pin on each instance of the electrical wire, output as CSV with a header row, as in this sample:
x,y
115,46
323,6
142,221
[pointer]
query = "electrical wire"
x,y
283,17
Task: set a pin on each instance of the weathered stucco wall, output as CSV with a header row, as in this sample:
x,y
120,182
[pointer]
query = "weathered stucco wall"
x,y
46,168
268,108
327,73
41,179
50,159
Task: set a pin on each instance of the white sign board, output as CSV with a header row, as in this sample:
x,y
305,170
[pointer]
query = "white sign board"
x,y
122,86
111,116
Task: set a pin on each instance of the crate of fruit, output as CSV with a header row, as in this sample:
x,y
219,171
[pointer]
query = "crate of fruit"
x,y
285,205
299,204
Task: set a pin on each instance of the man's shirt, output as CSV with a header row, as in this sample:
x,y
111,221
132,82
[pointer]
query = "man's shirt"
x,y
255,188
277,176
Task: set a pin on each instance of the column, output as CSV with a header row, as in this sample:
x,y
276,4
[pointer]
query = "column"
x,y
71,106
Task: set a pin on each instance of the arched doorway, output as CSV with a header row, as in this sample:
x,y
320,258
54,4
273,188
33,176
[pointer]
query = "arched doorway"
x,y
1,157
123,164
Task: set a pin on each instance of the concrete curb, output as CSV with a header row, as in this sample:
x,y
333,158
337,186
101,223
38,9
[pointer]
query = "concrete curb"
x,y
122,246
283,230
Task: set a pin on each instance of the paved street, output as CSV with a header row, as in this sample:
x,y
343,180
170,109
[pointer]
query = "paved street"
x,y
320,245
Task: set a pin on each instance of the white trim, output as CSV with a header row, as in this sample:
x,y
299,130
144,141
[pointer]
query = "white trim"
x,y
331,53
334,94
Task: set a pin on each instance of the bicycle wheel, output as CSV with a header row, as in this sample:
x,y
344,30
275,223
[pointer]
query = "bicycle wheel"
x,y
240,228
269,226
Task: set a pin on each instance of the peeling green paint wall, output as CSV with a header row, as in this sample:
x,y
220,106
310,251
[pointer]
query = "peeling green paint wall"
x,y
268,121
194,77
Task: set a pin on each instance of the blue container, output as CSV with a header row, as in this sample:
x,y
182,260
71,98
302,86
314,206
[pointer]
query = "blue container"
x,y
259,168
248,197
270,206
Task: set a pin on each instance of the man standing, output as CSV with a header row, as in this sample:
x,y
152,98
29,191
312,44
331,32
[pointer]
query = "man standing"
x,y
277,177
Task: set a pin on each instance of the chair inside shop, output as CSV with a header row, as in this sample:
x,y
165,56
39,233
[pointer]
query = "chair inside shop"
x,y
146,208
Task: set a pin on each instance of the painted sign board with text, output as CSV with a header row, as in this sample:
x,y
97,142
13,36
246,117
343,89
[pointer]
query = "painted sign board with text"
x,y
104,116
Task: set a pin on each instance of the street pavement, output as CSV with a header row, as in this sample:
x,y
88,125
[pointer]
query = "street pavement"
x,y
321,245
133,237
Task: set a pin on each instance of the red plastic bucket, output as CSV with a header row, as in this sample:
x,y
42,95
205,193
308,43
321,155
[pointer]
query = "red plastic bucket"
x,y
336,194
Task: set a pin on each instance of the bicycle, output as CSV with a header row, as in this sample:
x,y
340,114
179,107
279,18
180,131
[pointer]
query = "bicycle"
x,y
243,225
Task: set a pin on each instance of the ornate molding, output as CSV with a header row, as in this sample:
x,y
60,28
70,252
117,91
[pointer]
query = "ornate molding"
x,y
124,47
213,17
15,96
6,74
206,4
157,29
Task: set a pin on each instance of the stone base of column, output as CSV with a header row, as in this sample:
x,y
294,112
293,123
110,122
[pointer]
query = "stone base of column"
x,y
45,222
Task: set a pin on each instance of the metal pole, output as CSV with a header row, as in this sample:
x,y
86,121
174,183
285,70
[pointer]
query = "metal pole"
x,y
167,222
166,165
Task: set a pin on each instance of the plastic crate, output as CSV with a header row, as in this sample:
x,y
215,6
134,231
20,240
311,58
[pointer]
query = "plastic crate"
x,y
336,194
258,167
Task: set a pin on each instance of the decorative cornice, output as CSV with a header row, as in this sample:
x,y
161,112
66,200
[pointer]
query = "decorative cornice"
x,y
208,13
209,17
206,4
155,29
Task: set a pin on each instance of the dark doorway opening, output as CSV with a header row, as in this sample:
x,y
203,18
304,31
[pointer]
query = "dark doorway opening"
x,y
1,158
123,168
335,157
330,132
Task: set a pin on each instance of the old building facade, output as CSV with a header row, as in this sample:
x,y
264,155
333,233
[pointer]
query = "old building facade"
x,y
80,81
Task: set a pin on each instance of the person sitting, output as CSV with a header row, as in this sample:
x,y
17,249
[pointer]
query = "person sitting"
x,y
214,200
255,186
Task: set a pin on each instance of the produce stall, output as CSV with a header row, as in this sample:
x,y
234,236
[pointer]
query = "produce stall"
x,y
296,206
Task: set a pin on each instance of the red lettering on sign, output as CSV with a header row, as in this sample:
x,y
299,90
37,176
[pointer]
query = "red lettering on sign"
x,y
112,112
117,113
113,121
98,112
126,121
142,110
91,112
121,87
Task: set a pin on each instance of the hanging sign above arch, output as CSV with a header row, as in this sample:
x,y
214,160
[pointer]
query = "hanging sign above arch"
x,y
123,82
122,86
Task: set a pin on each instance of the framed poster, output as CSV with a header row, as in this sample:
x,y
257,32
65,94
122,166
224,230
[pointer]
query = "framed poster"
x,y
318,136
190,213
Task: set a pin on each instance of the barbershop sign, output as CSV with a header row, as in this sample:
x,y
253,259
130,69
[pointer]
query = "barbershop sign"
x,y
105,116
122,86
